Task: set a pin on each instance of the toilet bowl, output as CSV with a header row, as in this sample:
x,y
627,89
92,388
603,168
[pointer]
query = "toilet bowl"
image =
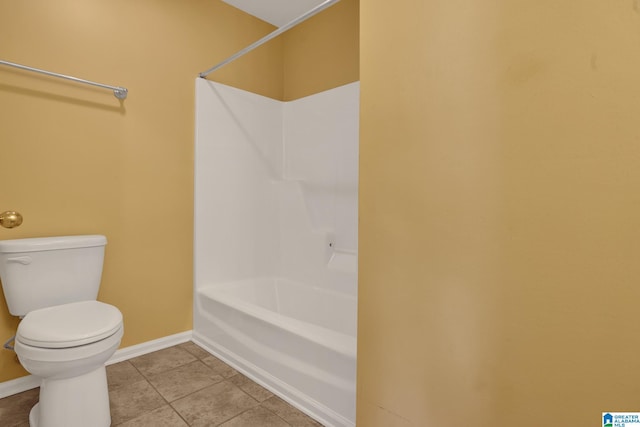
x,y
65,335
67,347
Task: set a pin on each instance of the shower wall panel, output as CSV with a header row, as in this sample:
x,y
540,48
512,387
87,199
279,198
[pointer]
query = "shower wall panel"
x,y
321,151
276,242
238,155
276,186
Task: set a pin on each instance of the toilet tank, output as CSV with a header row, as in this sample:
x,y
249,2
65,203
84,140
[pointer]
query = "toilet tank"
x,y
47,271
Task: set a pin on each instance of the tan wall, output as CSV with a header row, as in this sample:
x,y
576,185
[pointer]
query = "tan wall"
x,y
73,160
322,52
500,202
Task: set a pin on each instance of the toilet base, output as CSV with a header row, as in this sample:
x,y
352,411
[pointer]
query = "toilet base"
x,y
34,415
80,401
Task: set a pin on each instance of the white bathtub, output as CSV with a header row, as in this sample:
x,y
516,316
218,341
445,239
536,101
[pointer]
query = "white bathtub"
x,y
297,340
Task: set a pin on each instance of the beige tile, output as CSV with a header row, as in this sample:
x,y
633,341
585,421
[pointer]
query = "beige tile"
x,y
256,417
14,410
195,349
219,366
213,405
289,413
122,373
164,416
133,399
184,380
162,360
251,388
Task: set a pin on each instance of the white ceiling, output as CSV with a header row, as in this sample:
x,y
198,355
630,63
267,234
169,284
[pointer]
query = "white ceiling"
x,y
276,12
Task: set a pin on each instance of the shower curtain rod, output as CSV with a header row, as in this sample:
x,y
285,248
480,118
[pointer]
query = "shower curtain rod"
x,y
319,8
119,92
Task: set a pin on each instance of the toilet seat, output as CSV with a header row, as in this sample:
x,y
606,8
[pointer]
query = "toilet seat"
x,y
70,354
69,325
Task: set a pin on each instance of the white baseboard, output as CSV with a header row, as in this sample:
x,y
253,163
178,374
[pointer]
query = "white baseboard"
x,y
149,347
11,387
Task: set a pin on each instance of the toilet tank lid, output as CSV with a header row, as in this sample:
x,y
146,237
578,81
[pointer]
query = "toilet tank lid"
x,y
51,243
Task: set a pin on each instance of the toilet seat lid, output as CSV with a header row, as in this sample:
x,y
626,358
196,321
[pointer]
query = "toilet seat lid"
x,y
69,325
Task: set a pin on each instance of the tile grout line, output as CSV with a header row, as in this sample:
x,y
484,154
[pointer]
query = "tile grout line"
x,y
165,399
144,378
227,380
237,415
224,380
260,404
198,359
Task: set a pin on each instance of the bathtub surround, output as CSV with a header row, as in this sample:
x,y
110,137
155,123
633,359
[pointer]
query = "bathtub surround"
x,y
276,241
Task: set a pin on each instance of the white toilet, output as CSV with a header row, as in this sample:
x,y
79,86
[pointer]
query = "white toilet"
x,y
65,336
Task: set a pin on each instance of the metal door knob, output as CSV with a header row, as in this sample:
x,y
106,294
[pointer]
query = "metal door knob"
x,y
10,219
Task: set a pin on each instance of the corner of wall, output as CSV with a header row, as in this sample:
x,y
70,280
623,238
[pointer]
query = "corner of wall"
x,y
323,52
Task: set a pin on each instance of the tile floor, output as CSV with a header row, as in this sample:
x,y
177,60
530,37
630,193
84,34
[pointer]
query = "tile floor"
x,y
178,387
